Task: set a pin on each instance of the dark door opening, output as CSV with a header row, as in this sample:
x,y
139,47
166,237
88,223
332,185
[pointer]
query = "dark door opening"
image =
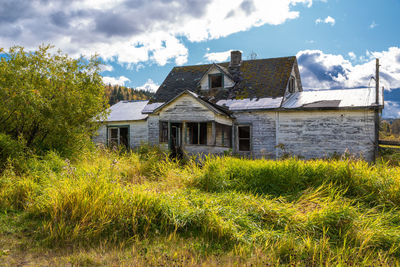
x,y
118,136
123,137
176,140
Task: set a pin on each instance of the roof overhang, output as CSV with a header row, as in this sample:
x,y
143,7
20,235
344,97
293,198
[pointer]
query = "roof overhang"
x,y
210,106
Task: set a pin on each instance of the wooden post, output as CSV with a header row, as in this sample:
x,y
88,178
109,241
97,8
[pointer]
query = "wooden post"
x,y
376,115
184,141
169,136
213,133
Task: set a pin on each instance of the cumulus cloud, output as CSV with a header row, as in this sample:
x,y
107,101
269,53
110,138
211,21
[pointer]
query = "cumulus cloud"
x,y
150,85
320,70
327,71
218,56
104,67
134,31
352,55
115,81
391,110
327,20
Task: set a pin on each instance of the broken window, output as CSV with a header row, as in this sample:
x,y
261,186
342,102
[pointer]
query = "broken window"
x,y
163,132
215,80
224,135
197,133
118,136
244,138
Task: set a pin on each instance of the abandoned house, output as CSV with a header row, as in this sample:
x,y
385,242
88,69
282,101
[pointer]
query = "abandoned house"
x,y
254,108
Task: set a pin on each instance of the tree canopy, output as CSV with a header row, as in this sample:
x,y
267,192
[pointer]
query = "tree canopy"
x,y
49,100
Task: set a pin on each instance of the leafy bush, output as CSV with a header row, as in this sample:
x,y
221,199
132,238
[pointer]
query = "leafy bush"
x,y
11,150
50,100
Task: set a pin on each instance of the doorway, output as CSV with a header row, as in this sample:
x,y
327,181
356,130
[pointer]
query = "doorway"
x,y
176,140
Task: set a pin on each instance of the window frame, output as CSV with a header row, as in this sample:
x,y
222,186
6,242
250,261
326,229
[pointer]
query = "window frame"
x,y
199,130
249,138
210,76
292,85
111,127
161,140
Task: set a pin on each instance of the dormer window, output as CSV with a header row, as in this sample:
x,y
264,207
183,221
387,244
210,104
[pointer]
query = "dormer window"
x,y
216,80
292,83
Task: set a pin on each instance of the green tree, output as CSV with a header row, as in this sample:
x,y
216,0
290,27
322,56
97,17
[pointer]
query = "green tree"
x,y
396,126
49,100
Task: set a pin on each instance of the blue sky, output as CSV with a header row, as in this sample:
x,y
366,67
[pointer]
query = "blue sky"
x,y
140,41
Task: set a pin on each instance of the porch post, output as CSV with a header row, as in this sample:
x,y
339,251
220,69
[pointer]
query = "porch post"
x,y
213,133
184,141
233,138
169,136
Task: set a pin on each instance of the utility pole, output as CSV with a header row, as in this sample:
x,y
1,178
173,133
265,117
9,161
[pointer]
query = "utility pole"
x,y
377,124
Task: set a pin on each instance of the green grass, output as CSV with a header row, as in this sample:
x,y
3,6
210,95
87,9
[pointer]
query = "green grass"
x,y
110,208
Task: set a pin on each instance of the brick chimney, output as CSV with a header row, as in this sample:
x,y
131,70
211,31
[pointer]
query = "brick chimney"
x,y
234,65
236,59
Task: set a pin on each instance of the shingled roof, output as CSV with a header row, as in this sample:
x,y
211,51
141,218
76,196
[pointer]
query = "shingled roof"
x,y
260,78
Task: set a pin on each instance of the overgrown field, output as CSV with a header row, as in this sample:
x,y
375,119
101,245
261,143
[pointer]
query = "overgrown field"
x,y
112,208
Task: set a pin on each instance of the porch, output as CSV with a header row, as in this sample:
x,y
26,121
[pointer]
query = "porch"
x,y
207,137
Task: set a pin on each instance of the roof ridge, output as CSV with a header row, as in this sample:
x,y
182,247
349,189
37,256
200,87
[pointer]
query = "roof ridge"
x,y
227,62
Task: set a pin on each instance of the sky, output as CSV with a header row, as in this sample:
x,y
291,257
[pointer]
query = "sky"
x,y
140,41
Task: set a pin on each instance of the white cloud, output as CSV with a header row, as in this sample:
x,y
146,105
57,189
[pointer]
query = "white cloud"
x,y
104,67
373,25
352,55
391,110
134,31
327,20
324,71
218,56
149,86
115,81
320,70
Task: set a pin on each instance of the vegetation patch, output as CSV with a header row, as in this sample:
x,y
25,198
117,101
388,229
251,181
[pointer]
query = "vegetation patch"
x,y
143,208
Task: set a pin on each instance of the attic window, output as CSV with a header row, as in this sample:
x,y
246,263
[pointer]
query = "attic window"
x,y
215,80
291,86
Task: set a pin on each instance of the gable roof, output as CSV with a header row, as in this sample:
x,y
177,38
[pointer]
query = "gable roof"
x,y
127,111
218,67
213,107
260,78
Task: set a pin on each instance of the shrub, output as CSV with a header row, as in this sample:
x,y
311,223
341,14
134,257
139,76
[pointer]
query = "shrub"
x,y
11,150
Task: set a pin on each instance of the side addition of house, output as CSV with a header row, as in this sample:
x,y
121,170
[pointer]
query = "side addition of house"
x,y
254,108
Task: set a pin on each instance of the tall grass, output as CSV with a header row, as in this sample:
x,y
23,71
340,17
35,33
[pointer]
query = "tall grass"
x,y
291,211
375,185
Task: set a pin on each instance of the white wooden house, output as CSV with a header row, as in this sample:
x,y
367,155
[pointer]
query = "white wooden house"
x,y
254,108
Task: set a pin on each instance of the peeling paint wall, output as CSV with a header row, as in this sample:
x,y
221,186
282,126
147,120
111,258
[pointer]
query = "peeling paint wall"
x,y
153,129
317,134
262,133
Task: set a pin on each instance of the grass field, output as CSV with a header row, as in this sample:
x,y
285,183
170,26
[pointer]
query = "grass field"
x,y
110,208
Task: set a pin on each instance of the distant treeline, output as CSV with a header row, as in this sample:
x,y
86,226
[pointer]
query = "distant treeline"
x,y
390,129
116,93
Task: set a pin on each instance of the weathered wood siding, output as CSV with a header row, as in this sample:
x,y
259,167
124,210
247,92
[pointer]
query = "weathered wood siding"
x,y
138,132
262,133
153,129
101,135
317,134
187,108
204,84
